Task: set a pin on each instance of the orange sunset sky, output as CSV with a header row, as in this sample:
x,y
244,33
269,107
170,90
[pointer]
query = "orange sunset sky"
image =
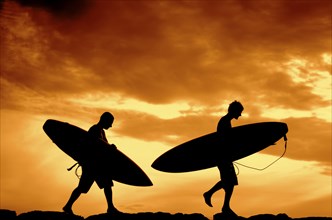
x,y
167,70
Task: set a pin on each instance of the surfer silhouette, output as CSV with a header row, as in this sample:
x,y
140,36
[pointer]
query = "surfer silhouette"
x,y
227,172
88,177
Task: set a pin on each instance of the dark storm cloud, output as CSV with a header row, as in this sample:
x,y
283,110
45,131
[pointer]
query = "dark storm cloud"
x,y
59,8
165,51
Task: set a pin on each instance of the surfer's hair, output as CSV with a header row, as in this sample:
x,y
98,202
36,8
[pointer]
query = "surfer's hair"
x,y
106,116
235,106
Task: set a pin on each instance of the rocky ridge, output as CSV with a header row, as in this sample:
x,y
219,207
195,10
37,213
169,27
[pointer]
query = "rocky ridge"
x,y
52,215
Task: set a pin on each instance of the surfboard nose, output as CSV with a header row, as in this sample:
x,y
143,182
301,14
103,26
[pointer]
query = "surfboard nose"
x,y
284,128
50,127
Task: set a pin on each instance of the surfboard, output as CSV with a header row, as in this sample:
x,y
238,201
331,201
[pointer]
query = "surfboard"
x,y
209,150
102,158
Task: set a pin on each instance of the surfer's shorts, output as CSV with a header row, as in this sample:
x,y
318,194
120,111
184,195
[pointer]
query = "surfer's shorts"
x,y
227,174
88,178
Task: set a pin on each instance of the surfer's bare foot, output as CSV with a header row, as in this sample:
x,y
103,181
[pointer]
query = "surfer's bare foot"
x,y
113,211
229,212
68,210
207,198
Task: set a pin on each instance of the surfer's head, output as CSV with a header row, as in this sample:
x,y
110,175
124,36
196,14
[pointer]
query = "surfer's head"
x,y
235,109
106,120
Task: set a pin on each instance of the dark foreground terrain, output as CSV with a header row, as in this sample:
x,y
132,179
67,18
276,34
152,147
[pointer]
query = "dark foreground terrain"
x,y
50,215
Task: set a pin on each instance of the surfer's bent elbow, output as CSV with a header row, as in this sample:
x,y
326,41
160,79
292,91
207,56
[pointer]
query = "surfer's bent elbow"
x,y
113,146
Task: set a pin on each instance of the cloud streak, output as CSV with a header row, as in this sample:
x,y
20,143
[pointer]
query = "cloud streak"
x,y
159,53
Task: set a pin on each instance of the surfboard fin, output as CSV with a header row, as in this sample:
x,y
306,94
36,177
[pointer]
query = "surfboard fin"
x,y
285,138
70,168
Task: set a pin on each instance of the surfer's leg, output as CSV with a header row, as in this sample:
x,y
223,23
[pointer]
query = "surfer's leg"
x,y
73,197
230,180
219,185
109,198
207,195
84,186
228,194
106,185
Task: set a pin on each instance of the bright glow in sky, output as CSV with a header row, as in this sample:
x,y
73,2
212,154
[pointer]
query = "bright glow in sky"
x,y
304,72
163,111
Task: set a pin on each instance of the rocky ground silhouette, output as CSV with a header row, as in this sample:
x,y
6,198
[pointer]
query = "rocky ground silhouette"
x,y
52,215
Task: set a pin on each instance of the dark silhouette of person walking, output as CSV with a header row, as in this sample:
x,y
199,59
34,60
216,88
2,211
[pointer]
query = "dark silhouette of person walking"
x,y
226,168
89,176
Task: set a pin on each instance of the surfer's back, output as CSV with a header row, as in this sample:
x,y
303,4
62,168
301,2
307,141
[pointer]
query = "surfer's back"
x,y
224,124
98,132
